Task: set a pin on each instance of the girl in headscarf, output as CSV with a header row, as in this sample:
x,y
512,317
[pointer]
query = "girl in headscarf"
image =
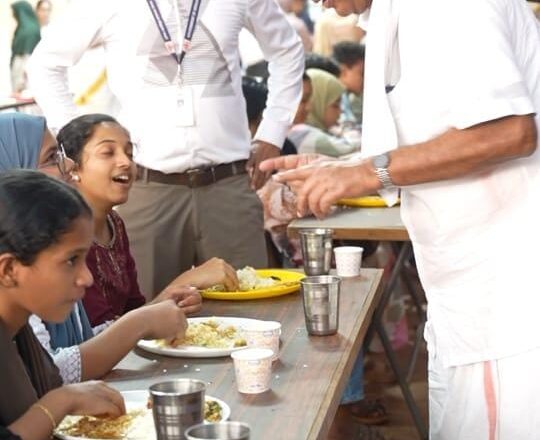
x,y
25,39
310,132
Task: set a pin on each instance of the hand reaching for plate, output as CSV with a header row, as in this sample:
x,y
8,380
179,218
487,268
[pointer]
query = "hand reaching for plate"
x,y
212,272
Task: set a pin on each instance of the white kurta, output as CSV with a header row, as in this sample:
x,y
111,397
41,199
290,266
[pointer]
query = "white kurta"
x,y
476,239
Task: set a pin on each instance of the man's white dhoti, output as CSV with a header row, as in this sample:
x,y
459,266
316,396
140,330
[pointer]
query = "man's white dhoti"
x,y
493,400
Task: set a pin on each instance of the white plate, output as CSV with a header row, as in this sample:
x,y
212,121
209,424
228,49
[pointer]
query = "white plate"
x,y
197,352
138,399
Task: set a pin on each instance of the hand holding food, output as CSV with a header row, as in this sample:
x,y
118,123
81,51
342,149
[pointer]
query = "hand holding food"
x,y
188,298
164,320
248,279
93,398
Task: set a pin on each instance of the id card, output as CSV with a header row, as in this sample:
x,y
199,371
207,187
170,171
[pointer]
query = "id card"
x,y
185,115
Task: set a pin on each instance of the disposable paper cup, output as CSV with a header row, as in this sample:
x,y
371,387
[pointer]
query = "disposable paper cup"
x,y
263,334
348,260
253,368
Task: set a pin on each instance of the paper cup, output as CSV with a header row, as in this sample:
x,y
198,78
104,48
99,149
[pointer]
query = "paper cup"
x,y
348,260
263,334
253,368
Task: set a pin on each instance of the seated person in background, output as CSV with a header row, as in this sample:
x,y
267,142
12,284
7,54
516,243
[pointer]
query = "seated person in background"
x,y
350,57
45,232
280,254
310,133
255,93
25,142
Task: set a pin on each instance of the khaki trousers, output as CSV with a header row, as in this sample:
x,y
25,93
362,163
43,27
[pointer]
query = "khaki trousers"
x,y
173,227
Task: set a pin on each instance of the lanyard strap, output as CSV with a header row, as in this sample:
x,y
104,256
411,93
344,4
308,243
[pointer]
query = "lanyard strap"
x,y
164,31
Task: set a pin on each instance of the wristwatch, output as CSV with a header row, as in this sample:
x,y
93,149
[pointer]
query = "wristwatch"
x,y
381,163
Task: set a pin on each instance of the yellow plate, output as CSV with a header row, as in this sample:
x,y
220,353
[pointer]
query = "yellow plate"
x,y
365,202
289,282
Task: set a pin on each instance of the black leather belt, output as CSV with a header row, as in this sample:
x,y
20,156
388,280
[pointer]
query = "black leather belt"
x,y
193,178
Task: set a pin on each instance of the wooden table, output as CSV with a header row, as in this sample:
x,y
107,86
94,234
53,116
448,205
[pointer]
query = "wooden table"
x,y
359,224
307,380
383,224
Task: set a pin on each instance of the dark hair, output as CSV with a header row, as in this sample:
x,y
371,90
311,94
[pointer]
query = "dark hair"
x,y
316,61
40,2
35,211
74,135
349,53
255,94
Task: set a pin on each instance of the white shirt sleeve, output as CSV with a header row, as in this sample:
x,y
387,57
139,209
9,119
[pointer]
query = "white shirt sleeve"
x,y
99,328
62,46
471,51
283,50
68,360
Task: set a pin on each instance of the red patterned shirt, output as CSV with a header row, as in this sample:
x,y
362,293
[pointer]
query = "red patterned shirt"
x,y
115,290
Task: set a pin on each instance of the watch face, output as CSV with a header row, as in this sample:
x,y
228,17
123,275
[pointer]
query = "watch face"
x,y
381,161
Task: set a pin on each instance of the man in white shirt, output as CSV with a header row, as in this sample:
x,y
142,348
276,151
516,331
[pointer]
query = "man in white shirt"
x,y
197,171
458,133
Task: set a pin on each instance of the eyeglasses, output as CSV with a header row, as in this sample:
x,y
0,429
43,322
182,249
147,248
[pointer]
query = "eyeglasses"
x,y
64,164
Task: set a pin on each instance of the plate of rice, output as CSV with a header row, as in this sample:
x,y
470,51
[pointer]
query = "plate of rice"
x,y
136,424
258,283
215,336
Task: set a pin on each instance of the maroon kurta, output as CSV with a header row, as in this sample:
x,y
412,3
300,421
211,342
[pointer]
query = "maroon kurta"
x,y
115,290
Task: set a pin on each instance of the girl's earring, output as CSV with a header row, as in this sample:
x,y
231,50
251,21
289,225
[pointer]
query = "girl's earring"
x,y
75,177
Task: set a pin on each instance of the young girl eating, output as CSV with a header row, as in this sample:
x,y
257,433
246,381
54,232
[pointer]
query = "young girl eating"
x,y
104,173
45,233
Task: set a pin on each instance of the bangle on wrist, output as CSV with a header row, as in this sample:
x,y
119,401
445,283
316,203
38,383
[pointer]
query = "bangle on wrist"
x,y
49,415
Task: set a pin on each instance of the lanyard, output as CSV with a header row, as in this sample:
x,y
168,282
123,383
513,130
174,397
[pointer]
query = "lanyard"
x,y
165,34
